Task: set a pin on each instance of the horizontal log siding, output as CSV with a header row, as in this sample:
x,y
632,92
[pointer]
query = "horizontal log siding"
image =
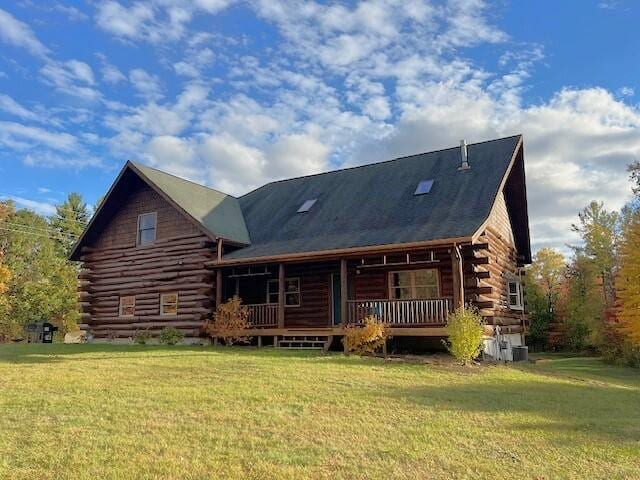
x,y
314,309
114,266
502,265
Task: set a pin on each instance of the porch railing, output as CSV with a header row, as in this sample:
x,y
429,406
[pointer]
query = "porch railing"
x,y
263,314
401,312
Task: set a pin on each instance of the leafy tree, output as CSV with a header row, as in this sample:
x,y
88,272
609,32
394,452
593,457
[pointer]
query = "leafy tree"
x,y
583,324
5,306
628,282
634,174
546,275
69,221
599,231
43,284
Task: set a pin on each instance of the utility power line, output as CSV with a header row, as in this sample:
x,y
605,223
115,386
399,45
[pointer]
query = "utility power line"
x,y
42,229
25,232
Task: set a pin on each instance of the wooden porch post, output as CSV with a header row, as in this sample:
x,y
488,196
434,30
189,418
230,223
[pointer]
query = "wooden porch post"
x,y
458,277
219,275
218,287
281,295
344,292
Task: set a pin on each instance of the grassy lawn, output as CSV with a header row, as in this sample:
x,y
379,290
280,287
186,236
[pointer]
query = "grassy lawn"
x,y
124,412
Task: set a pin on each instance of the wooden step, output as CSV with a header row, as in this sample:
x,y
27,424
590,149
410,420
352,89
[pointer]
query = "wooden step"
x,y
306,342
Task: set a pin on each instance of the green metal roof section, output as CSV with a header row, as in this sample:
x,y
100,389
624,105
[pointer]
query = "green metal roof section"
x,y
219,213
375,204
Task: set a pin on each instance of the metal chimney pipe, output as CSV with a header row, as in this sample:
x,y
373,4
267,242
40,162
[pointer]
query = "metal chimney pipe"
x,y
464,154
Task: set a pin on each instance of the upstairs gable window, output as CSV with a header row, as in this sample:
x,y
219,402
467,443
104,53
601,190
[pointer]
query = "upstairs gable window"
x,y
147,228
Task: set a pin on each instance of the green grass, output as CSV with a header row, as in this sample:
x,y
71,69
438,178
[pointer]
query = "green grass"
x,y
128,412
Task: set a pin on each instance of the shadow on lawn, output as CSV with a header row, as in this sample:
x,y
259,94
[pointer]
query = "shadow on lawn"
x,y
565,407
54,353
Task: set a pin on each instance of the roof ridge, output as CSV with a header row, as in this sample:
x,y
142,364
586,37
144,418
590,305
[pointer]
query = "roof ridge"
x,y
364,165
139,165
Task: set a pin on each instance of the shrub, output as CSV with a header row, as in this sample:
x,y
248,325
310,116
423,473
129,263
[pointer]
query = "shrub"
x,y
230,322
367,338
170,335
465,330
141,337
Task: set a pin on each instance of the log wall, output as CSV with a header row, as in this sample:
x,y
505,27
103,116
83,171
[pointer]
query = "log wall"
x,y
114,266
490,265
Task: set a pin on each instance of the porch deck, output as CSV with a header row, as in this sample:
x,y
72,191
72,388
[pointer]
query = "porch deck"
x,y
402,316
434,331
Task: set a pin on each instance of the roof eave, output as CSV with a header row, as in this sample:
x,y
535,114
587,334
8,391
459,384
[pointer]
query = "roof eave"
x,y
336,253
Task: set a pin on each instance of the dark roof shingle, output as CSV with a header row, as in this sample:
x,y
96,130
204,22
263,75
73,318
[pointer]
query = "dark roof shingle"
x,y
375,204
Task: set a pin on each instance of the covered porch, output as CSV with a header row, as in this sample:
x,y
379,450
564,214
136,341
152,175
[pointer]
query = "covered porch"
x,y
413,292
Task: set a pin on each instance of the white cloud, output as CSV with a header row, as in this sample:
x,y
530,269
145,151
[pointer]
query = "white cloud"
x,y
43,208
19,34
174,155
9,105
155,21
147,85
51,160
18,136
122,21
72,13
110,73
72,77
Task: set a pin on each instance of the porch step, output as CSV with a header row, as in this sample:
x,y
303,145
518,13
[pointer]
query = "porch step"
x,y
306,342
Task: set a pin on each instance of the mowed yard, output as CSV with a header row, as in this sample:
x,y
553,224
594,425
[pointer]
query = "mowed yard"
x,y
131,412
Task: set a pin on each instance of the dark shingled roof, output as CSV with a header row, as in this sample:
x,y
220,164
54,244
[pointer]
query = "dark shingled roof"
x,y
375,204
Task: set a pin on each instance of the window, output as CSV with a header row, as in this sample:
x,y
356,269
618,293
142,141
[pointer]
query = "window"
x,y
414,284
169,304
147,228
515,295
423,187
127,306
291,292
306,206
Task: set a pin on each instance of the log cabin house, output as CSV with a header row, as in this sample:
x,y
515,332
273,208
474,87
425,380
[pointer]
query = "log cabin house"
x,y
407,240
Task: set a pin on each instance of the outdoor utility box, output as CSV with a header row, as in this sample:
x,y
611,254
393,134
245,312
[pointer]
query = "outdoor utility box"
x,y
520,353
40,332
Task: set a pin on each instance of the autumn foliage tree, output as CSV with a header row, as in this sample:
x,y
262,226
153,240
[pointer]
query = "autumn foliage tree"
x,y
546,274
628,282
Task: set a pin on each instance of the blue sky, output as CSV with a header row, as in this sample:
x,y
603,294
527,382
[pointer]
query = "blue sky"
x,y
234,94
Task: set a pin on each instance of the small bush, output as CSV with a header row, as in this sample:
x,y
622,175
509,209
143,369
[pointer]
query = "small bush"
x,y
367,338
170,336
230,322
465,330
141,337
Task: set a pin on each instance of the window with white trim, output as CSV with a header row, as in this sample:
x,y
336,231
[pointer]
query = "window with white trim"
x,y
414,284
147,228
515,295
127,306
291,292
169,304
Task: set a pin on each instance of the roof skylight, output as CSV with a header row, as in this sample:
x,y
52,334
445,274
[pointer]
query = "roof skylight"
x,y
423,187
306,206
